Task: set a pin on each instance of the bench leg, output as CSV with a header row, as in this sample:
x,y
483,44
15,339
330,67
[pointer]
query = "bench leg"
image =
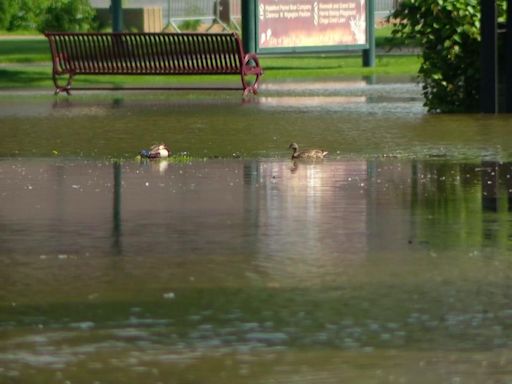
x,y
62,88
251,66
256,84
248,88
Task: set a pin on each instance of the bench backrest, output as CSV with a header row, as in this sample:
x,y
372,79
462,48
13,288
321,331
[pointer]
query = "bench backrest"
x,y
140,53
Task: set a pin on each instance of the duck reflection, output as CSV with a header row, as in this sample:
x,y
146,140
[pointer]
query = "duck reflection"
x,y
157,166
294,167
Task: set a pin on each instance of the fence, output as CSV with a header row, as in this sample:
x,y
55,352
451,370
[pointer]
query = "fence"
x,y
225,13
384,7
177,13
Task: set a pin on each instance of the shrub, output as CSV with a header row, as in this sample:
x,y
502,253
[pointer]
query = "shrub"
x,y
6,7
26,14
448,33
68,16
190,25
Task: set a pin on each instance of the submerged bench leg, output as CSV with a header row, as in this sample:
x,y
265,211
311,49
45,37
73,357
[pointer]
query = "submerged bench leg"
x,y
251,66
60,88
248,88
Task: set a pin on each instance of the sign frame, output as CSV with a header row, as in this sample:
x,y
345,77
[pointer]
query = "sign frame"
x,y
316,48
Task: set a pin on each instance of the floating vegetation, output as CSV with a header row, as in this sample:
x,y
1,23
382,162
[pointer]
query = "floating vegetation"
x,y
177,158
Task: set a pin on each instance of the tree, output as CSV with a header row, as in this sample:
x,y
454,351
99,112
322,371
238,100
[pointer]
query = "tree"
x,y
448,33
6,8
68,16
26,14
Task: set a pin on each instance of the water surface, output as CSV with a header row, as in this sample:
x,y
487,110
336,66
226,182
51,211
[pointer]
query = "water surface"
x,y
389,262
349,119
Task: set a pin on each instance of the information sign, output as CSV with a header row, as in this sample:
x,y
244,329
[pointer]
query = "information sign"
x,y
311,25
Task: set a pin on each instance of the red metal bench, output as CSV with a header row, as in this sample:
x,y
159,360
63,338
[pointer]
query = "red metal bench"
x,y
151,54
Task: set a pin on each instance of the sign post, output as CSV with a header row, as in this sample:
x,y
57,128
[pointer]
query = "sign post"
x,y
116,7
249,25
369,53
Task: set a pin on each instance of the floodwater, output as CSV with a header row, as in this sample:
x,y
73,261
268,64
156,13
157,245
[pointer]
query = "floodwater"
x,y
388,262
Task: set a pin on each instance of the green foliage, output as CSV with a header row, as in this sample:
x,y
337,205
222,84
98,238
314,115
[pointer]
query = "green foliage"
x,y
43,15
448,33
27,14
69,16
6,9
190,25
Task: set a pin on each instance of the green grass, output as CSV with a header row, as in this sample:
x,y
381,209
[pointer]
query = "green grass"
x,y
21,75
24,50
383,36
335,65
25,63
383,39
19,33
15,48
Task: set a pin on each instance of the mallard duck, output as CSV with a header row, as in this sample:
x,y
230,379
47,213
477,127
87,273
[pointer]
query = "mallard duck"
x,y
156,151
306,154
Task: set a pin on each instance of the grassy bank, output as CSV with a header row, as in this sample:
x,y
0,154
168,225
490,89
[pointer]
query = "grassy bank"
x,y
24,50
25,63
30,46
21,75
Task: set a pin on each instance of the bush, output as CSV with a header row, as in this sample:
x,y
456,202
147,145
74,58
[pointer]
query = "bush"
x,y
448,32
26,14
68,16
190,25
6,7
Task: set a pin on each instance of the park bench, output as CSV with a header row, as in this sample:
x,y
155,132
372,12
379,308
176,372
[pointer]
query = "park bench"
x,y
151,54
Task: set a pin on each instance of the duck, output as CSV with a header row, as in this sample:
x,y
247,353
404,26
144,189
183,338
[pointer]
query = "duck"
x,y
156,151
306,154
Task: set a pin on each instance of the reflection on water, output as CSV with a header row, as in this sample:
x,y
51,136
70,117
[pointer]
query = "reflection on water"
x,y
255,271
274,208
299,102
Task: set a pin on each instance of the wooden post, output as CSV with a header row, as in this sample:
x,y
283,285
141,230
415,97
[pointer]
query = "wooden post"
x,y
489,57
508,59
224,10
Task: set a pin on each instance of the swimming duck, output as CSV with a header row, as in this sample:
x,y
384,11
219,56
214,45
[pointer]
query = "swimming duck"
x,y
156,151
306,154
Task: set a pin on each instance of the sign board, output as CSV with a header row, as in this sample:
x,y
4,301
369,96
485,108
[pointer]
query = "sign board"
x,y
311,25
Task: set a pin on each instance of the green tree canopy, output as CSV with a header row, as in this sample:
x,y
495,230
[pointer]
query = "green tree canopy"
x,y
6,9
46,15
68,15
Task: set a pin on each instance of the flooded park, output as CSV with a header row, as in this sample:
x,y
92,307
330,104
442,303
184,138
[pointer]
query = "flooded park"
x,y
390,261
